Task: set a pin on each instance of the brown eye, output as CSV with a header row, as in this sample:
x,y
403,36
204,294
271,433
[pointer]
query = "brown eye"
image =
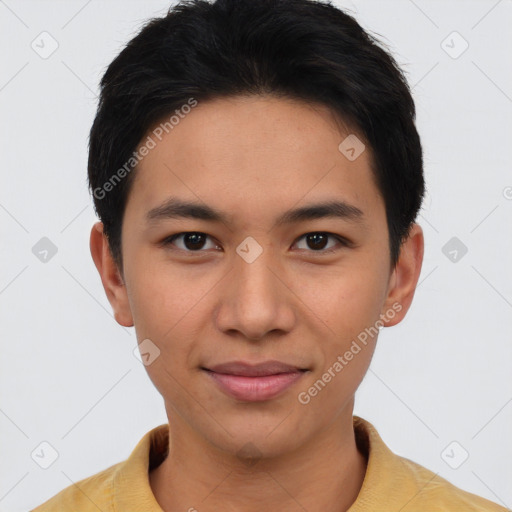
x,y
318,242
194,241
191,241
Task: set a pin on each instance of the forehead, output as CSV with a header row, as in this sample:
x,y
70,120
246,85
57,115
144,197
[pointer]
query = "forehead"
x,y
254,155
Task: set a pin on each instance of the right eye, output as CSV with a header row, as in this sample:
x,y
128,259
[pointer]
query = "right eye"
x,y
191,241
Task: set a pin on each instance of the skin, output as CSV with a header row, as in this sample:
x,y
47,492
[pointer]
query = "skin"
x,y
254,158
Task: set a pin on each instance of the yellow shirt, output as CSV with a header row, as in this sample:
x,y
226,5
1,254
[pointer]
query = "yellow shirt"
x,y
391,483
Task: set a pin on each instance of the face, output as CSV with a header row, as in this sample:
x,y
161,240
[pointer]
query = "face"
x,y
235,279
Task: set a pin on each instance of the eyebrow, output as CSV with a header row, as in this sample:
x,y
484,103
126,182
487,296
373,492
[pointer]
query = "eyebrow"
x,y
174,208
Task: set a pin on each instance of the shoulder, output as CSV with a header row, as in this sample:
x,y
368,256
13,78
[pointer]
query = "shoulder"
x,y
433,492
89,494
399,483
124,485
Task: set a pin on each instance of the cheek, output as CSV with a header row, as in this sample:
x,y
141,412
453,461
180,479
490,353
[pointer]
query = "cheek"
x,y
349,306
163,296
167,312
170,308
345,301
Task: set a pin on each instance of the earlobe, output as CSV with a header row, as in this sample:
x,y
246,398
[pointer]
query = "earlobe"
x,y
111,278
404,278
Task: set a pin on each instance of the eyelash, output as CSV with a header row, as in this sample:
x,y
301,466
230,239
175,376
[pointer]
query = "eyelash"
x,y
342,241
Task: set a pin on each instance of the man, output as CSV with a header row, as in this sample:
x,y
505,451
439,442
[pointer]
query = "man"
x,y
257,172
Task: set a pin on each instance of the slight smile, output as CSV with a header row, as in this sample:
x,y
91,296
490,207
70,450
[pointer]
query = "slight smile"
x,y
254,383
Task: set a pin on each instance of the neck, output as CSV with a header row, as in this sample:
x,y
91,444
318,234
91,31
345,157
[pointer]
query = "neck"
x,y
325,474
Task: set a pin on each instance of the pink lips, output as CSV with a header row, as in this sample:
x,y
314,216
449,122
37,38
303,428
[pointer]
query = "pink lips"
x,y
254,383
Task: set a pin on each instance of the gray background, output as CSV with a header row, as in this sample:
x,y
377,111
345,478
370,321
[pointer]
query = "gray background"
x,y
68,373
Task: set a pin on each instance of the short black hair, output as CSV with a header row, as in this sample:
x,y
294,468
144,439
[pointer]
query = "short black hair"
x,y
299,49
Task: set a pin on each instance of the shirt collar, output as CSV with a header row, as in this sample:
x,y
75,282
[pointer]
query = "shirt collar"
x,y
131,488
384,472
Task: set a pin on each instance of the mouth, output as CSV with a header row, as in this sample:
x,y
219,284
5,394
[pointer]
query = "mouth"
x,y
254,383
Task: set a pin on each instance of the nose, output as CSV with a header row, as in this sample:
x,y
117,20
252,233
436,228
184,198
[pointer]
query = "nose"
x,y
256,300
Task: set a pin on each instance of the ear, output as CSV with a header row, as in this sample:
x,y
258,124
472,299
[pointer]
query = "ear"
x,y
404,278
111,278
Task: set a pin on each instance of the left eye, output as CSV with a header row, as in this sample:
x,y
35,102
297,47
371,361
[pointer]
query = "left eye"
x,y
194,241
318,241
